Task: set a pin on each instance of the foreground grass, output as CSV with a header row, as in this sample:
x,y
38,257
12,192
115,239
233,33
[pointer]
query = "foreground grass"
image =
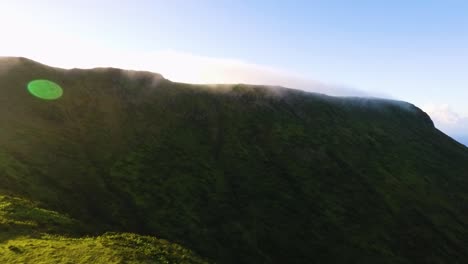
x,y
108,248
30,234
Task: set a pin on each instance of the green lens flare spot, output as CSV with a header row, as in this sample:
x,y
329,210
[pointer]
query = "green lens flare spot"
x,y
45,89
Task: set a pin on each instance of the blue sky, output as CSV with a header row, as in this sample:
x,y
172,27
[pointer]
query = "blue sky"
x,y
416,50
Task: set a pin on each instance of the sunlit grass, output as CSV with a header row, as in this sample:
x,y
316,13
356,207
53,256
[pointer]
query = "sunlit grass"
x,y
108,248
25,238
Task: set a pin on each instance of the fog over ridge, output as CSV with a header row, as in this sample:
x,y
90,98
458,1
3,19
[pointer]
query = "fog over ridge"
x,y
185,67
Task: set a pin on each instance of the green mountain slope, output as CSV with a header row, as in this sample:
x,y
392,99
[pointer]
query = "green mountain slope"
x,y
239,174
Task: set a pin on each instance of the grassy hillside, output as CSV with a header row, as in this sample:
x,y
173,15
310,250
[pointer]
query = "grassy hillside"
x,y
108,248
29,234
239,174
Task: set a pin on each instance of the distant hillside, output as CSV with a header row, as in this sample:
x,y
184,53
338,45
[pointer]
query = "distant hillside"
x,y
235,173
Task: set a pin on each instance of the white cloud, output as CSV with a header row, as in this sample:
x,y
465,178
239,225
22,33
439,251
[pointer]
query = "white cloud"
x,y
442,114
447,120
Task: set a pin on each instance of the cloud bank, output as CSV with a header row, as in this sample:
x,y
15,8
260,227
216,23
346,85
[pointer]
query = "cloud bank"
x,y
184,67
449,121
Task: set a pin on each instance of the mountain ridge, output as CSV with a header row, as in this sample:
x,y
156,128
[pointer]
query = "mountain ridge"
x,y
275,90
236,173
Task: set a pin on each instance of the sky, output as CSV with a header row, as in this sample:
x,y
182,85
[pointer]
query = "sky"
x,y
416,51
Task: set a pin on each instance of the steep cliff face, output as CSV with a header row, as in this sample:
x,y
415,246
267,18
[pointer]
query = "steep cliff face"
x,y
238,173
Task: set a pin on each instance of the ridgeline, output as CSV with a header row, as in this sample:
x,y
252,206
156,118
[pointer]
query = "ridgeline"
x,y
226,173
